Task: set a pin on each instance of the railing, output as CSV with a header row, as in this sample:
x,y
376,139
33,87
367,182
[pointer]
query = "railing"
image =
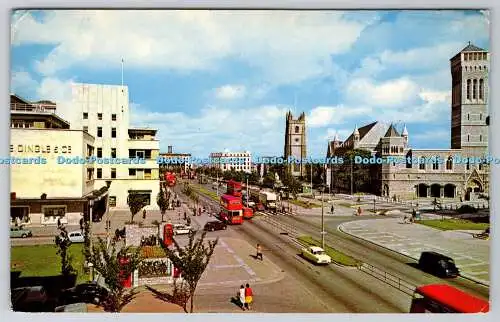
x,y
392,280
280,226
32,107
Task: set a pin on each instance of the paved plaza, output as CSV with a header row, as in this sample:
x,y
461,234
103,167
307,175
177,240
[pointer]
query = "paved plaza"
x,y
470,254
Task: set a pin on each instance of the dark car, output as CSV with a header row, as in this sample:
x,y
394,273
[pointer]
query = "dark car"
x,y
215,225
84,293
438,264
29,299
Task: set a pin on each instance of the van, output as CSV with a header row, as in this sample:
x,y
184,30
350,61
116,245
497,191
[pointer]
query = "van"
x,y
438,264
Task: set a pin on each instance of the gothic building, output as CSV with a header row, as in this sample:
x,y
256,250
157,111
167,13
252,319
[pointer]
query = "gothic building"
x,y
434,173
295,142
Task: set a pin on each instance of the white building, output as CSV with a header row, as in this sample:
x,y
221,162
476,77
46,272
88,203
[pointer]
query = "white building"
x,y
104,113
43,189
238,161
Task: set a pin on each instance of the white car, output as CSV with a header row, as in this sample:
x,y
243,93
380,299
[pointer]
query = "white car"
x,y
76,237
316,255
180,229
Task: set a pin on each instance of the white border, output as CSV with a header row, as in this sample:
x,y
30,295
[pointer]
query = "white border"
x,y
303,4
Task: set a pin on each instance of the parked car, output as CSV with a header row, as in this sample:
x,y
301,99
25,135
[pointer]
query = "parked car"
x,y
29,299
316,255
84,293
72,308
20,232
180,229
215,225
76,237
438,264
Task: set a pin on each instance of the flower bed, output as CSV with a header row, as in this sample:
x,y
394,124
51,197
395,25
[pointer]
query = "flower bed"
x,y
152,252
155,268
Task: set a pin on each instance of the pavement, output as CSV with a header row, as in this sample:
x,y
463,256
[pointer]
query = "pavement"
x,y
471,255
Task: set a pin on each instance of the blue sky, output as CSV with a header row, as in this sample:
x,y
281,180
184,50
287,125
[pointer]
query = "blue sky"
x,y
215,80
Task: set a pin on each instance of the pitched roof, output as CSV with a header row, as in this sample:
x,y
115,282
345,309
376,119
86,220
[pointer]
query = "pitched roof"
x,y
471,47
391,132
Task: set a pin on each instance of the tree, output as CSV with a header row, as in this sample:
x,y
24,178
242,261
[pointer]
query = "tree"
x,y
191,260
294,185
107,263
135,202
86,241
269,179
163,202
253,178
63,243
361,173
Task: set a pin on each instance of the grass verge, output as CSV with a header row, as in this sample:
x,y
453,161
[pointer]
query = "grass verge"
x,y
303,204
42,260
337,256
453,224
206,192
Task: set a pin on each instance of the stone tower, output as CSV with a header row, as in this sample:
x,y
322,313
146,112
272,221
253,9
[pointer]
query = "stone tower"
x,y
469,103
295,142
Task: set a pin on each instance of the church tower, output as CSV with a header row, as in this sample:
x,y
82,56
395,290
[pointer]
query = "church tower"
x,y
295,142
469,103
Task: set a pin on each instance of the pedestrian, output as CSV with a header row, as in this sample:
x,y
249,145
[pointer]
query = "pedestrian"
x,y
332,209
242,297
259,252
359,211
58,222
144,214
248,297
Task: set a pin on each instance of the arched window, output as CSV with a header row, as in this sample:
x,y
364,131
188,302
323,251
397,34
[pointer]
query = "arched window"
x,y
468,137
474,89
449,163
421,165
468,89
297,129
468,117
480,138
480,116
435,164
481,89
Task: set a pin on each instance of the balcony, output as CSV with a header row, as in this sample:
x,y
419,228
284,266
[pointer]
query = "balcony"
x,y
36,108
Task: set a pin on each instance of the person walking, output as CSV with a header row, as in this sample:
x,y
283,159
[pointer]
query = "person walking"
x,y
248,297
259,252
332,209
242,297
144,214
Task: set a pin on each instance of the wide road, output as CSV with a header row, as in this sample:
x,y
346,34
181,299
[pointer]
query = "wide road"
x,y
338,289
375,255
389,261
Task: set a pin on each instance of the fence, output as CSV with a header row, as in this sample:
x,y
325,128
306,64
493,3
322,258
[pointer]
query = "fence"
x,y
392,280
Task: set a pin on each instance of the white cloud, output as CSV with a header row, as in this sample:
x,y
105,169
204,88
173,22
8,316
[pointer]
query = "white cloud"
x,y
21,81
286,46
326,115
389,93
229,92
436,96
254,128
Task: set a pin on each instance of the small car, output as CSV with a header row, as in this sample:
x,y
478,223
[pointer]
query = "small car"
x,y
84,293
215,225
76,237
438,264
316,255
20,232
180,229
29,299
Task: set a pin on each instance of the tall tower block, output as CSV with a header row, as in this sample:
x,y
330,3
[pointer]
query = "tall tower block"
x,y
469,103
295,142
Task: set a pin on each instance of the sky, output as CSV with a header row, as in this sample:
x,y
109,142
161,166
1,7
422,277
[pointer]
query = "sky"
x,y
216,80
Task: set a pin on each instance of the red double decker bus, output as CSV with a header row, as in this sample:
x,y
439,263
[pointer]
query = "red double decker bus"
x,y
231,210
170,179
443,298
234,188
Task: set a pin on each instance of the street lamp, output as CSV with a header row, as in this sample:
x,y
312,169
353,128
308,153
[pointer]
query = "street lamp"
x,y
374,202
108,221
91,205
323,232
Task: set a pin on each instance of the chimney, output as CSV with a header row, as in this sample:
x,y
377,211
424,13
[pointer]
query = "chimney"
x,y
169,149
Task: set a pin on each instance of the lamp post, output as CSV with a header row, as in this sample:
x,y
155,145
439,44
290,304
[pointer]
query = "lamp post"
x,y
108,221
91,205
322,221
374,201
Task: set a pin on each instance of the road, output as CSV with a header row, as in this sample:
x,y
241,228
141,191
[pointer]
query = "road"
x,y
338,289
387,260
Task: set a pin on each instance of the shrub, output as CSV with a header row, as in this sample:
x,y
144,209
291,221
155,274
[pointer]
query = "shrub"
x,y
466,209
157,268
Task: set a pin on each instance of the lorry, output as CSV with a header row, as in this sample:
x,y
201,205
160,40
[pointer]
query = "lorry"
x,y
268,199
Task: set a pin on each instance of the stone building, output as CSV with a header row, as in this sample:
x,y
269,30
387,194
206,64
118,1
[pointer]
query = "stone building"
x,y
295,142
458,172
